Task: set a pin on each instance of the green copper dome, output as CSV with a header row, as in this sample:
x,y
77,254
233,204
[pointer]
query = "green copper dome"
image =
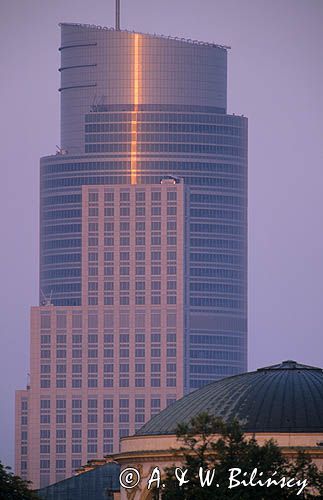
x,y
287,397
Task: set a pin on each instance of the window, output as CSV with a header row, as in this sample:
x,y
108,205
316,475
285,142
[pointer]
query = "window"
x,y
76,404
93,212
171,240
109,212
140,300
94,197
156,226
140,211
171,195
61,369
155,210
124,211
123,433
140,226
140,196
156,240
156,285
140,255
124,196
60,448
45,339
45,321
155,195
108,197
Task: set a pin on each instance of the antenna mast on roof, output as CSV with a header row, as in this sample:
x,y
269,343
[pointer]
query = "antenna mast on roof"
x,y
118,15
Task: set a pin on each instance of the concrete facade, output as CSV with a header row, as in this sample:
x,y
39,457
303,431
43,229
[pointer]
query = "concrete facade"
x,y
98,372
143,283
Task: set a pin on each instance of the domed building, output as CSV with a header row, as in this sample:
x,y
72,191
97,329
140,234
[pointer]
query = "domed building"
x,y
283,402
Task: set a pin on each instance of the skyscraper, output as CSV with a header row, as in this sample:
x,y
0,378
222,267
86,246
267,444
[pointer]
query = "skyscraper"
x,y
143,245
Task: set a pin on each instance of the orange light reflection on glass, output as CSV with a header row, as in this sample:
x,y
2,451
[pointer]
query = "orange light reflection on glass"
x,y
136,82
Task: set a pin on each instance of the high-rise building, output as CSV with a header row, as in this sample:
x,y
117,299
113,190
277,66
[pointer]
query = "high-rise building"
x,y
143,245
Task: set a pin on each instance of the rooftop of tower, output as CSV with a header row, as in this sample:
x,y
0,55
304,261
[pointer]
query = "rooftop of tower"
x,y
153,35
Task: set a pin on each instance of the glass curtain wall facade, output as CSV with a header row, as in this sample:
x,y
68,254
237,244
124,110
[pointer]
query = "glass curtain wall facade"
x,y
136,109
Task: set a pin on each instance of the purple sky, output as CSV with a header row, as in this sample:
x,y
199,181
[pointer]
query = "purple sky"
x,y
275,78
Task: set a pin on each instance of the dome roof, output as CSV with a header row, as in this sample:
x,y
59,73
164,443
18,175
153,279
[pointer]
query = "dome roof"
x,y
287,397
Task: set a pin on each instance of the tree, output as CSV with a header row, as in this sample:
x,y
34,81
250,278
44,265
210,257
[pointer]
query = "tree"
x,y
303,468
13,487
233,450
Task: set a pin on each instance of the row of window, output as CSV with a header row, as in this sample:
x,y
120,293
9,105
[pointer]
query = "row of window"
x,y
63,214
217,257
141,165
124,196
224,183
163,117
216,288
204,354
93,320
211,272
107,338
70,272
63,199
214,369
124,211
209,213
216,302
92,383
62,228
163,138
105,108
107,353
216,339
165,148
164,127
236,230
62,258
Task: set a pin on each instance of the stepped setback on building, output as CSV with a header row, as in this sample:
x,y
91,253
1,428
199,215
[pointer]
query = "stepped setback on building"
x,y
143,245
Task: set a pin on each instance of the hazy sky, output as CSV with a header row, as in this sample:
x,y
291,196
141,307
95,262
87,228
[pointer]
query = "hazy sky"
x,y
275,78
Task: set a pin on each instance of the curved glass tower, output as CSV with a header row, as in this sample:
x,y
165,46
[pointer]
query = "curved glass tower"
x,y
143,245
136,108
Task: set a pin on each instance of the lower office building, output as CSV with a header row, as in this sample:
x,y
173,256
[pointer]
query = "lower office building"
x,y
100,371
